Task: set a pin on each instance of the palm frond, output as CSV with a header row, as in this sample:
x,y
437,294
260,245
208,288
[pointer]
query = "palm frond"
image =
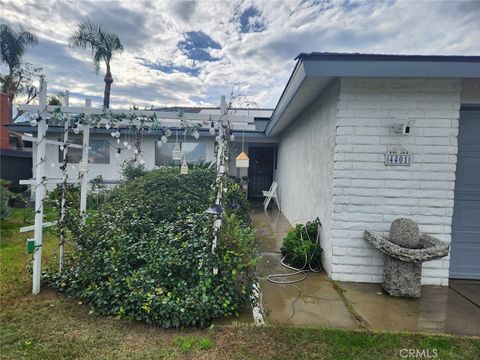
x,y
101,43
13,44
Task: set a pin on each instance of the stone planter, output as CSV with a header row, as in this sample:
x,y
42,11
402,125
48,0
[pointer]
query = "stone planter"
x,y
404,251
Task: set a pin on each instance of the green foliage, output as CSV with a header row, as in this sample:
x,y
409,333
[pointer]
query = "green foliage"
x,y
201,165
146,255
102,43
54,100
235,201
205,343
72,196
97,193
13,45
132,169
300,246
189,344
6,197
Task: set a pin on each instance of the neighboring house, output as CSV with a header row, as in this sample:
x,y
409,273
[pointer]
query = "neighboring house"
x,y
15,154
327,142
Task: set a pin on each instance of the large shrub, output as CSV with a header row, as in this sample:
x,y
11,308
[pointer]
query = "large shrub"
x,y
146,254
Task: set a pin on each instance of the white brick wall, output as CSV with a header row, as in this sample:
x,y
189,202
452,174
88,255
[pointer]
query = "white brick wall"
x,y
368,194
305,166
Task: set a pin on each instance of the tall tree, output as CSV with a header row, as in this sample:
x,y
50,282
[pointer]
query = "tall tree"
x,y
13,45
103,45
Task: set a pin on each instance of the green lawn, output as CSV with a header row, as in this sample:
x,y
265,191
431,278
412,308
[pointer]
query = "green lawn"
x,y
50,326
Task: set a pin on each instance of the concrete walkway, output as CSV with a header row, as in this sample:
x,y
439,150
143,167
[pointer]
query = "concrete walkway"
x,y
317,301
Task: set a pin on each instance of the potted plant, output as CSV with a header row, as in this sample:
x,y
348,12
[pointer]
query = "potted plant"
x,y
244,182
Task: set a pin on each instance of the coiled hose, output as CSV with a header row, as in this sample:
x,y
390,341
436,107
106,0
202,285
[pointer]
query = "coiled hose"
x,y
306,266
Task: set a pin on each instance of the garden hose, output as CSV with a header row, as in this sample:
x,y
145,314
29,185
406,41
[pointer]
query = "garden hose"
x,y
307,267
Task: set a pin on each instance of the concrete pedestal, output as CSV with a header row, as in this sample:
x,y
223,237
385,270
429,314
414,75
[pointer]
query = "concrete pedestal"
x,y
402,278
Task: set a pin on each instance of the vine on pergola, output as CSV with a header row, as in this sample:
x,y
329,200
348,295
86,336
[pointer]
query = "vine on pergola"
x,y
82,119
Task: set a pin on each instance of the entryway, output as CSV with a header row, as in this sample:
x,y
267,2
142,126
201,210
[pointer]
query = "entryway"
x,y
465,251
260,172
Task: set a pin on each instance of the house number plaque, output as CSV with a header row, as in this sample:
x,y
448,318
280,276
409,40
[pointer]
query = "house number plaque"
x,y
397,157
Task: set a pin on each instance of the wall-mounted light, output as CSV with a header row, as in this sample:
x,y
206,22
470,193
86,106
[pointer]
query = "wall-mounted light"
x,y
402,127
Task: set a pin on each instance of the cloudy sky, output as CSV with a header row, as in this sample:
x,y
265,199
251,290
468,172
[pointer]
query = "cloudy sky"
x,y
191,52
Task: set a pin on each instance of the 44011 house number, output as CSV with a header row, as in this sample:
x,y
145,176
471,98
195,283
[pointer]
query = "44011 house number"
x,y
397,157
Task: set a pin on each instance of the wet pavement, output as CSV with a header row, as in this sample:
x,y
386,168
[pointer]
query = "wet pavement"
x,y
316,302
439,310
313,301
469,289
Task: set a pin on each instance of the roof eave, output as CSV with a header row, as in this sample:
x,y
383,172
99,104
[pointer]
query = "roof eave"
x,y
330,65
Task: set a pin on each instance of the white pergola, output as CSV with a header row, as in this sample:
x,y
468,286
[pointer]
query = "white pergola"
x,y
224,124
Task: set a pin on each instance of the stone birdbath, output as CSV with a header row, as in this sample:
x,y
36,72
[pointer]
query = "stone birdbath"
x,y
404,250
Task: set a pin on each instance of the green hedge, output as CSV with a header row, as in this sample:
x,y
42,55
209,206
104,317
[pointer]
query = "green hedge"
x,y
146,254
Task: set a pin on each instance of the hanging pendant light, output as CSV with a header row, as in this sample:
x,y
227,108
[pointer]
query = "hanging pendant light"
x,y
184,168
177,150
242,160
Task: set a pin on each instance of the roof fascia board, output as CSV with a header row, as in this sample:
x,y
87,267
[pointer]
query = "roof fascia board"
x,y
391,68
293,85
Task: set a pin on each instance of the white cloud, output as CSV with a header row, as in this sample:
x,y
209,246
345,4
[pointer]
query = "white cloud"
x,y
259,63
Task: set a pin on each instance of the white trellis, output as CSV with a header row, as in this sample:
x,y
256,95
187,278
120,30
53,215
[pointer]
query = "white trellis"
x,y
86,117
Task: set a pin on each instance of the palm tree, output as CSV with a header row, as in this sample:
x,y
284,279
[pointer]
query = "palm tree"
x,y
13,45
103,45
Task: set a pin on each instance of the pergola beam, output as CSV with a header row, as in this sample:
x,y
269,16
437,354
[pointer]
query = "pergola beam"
x,y
50,109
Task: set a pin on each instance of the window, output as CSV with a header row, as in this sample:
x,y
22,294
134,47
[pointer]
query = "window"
x,y
194,153
99,152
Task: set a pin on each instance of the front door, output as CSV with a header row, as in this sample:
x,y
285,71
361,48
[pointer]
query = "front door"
x,y
465,252
260,171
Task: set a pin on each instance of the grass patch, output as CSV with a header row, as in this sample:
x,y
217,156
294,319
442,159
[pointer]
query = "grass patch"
x,y
50,326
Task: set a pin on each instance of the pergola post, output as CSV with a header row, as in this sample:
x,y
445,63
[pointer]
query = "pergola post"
x,y
61,258
226,123
83,166
220,171
39,187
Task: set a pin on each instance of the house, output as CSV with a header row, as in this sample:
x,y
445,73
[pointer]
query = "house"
x,y
337,122
358,140
107,153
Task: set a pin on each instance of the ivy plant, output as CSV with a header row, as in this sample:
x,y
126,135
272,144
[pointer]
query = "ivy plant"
x,y
146,254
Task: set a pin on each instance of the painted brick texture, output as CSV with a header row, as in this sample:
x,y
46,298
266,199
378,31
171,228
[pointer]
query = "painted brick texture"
x,y
305,166
370,195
